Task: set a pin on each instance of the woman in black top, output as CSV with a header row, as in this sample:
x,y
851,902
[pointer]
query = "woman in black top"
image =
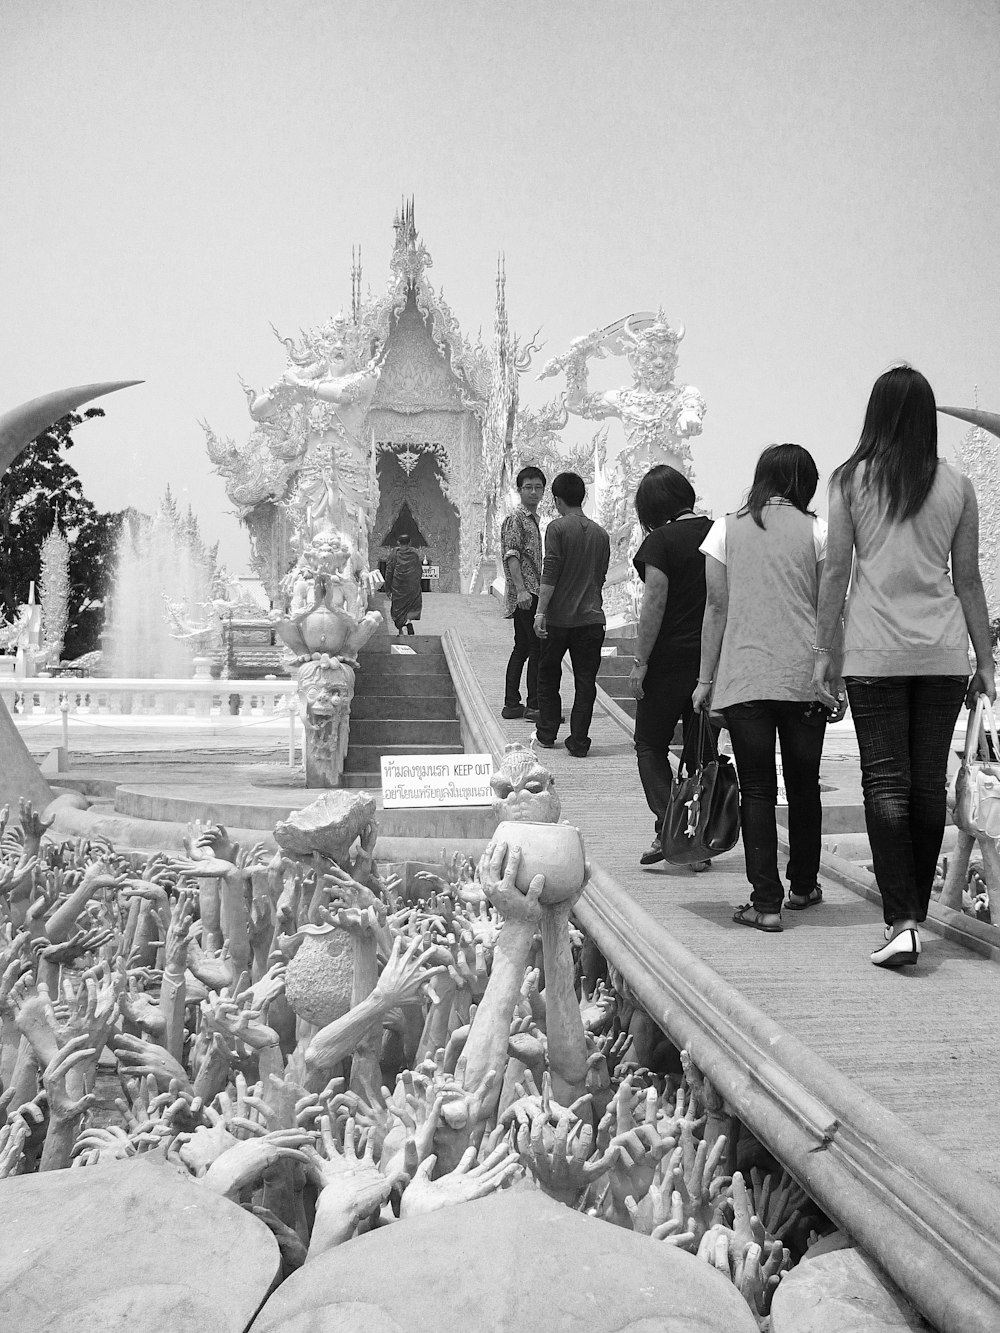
x,y
669,644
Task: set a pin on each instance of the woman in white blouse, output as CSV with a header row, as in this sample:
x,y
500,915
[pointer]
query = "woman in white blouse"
x,y
762,572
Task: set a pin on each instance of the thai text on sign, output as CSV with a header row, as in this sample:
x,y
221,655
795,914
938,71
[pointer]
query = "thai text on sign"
x,y
436,779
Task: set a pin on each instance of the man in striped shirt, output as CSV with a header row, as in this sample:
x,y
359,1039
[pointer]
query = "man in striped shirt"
x,y
521,543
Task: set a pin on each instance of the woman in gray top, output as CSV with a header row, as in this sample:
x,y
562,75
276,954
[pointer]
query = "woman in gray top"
x,y
762,575
901,514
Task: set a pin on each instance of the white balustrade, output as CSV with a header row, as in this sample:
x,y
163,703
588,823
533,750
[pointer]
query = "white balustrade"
x,y
39,696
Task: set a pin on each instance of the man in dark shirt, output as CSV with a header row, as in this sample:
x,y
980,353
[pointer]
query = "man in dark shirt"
x,y
521,544
570,614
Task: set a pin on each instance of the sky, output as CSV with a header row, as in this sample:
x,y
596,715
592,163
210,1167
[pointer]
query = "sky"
x,y
810,186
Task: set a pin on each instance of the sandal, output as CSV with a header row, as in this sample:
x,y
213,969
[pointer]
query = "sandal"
x,y
813,897
747,915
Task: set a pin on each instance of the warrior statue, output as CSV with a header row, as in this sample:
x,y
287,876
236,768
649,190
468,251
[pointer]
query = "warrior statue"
x,y
329,391
659,417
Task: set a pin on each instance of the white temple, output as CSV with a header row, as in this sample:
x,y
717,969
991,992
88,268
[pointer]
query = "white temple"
x,y
393,405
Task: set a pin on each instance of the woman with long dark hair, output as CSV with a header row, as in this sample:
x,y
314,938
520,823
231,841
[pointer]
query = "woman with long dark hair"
x,y
901,514
762,570
665,669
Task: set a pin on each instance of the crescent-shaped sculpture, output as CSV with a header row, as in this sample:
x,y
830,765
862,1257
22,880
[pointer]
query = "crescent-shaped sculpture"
x,y
987,420
19,775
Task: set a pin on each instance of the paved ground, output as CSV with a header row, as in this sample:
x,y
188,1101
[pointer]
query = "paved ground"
x,y
923,1043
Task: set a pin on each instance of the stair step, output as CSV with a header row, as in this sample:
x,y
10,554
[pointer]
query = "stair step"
x,y
423,645
412,706
404,731
411,684
391,668
365,758
614,666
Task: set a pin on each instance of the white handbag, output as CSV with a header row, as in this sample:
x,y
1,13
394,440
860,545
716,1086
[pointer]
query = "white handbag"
x,y
976,790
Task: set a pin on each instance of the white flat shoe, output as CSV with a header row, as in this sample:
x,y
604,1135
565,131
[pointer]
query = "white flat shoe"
x,y
902,950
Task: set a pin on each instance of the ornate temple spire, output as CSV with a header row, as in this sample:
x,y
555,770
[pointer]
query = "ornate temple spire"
x,y
409,254
500,326
355,285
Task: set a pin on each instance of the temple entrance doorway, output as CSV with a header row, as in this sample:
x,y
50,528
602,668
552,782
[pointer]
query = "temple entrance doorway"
x,y
414,480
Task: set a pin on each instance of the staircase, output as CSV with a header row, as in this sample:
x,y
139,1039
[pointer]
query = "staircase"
x,y
614,673
404,703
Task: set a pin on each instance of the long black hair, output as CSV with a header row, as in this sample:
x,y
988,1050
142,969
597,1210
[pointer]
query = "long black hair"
x,y
783,472
662,494
898,443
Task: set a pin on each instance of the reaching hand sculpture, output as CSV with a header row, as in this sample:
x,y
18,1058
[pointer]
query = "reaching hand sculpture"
x,y
293,1125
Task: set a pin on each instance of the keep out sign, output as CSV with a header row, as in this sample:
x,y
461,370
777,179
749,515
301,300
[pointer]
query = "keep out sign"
x,y
436,779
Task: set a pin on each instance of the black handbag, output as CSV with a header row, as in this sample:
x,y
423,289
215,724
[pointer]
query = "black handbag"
x,y
702,818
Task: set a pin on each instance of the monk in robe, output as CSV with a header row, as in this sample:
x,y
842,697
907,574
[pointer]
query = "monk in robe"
x,y
402,578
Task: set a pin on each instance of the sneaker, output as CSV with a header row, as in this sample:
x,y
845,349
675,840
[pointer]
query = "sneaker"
x,y
652,855
511,711
535,739
531,715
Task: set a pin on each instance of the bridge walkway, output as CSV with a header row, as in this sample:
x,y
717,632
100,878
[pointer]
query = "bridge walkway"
x,y
923,1043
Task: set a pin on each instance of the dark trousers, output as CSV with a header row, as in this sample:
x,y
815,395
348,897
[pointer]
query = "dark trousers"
x,y
583,642
527,648
904,726
799,729
666,700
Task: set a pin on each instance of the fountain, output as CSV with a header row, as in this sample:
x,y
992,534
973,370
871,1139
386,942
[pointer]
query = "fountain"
x,y
161,617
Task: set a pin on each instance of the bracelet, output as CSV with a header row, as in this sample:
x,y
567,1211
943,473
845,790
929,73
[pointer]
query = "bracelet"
x,y
817,649
705,682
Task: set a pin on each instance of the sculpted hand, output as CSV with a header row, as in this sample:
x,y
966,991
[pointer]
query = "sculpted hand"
x,y
496,872
216,841
245,1162
660,1215
97,1003
231,1019
351,1187
96,1145
406,973
14,963
35,1016
32,825
175,952
465,1183
561,1158
15,881
13,1137
75,1055
139,1058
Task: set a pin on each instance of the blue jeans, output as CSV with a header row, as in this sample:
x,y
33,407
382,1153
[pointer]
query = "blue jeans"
x,y
904,726
666,700
799,729
527,648
583,642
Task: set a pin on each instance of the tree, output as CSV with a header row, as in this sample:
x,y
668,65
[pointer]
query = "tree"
x,y
39,484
